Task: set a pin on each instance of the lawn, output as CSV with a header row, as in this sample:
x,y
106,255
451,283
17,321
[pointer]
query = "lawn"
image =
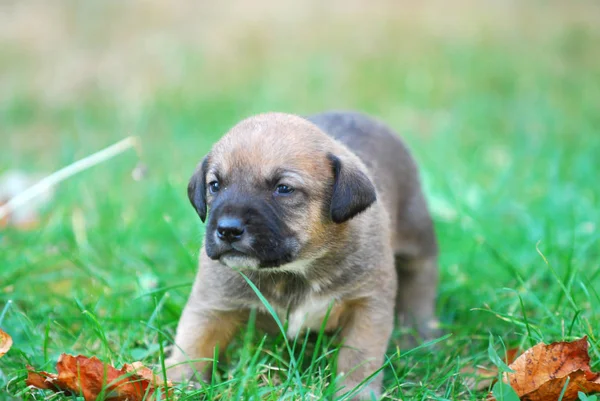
x,y
500,104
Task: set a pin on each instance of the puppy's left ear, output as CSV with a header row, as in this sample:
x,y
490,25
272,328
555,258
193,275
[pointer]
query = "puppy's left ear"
x,y
353,191
197,189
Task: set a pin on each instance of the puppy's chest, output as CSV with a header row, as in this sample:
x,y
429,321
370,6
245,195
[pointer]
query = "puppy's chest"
x,y
309,313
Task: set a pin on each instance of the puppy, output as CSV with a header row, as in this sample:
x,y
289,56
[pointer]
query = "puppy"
x,y
320,212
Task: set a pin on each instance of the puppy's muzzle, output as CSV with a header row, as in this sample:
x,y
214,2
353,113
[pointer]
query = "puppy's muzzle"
x,y
230,229
245,230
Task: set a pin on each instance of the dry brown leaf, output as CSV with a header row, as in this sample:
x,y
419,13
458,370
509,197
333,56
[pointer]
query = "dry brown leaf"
x,y
41,380
578,381
542,372
144,373
5,343
90,377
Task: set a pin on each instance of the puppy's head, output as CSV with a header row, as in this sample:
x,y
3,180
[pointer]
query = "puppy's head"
x,y
276,190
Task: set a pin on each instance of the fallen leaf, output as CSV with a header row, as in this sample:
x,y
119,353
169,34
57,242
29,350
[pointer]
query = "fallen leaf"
x,y
90,378
41,380
543,371
5,343
141,371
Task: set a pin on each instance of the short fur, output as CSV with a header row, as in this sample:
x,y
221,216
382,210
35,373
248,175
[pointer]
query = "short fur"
x,y
354,234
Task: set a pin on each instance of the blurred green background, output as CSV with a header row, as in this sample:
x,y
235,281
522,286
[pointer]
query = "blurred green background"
x,y
499,100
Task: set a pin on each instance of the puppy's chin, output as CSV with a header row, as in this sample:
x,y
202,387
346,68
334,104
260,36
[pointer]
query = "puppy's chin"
x,y
239,261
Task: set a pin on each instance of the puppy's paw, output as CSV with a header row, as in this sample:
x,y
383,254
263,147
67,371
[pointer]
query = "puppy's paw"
x,y
183,373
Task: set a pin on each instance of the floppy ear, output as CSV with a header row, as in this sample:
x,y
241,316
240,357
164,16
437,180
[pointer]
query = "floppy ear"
x,y
353,191
197,189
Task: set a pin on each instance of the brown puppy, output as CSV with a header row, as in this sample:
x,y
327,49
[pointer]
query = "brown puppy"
x,y
317,213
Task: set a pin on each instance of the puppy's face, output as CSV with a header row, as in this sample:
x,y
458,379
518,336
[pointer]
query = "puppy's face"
x,y
275,193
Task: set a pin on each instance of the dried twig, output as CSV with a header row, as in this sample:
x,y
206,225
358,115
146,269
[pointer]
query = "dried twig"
x,y
48,182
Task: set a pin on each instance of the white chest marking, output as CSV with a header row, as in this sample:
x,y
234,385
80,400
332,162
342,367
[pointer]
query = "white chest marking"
x,y
308,315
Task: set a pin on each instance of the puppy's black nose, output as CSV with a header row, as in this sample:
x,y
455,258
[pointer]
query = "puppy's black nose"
x,y
230,229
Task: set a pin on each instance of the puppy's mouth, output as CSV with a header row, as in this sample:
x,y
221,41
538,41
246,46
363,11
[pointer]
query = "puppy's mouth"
x,y
239,260
242,260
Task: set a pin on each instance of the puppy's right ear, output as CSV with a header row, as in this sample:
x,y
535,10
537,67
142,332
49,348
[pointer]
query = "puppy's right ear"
x,y
197,189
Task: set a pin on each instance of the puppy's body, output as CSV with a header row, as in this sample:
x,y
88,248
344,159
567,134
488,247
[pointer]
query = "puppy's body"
x,y
354,234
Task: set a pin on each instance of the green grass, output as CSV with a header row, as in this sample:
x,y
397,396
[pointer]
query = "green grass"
x,y
506,131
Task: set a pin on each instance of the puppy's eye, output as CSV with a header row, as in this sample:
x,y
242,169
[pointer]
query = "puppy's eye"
x,y
283,189
214,187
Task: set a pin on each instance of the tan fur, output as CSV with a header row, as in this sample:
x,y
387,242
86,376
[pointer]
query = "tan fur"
x,y
355,266
214,331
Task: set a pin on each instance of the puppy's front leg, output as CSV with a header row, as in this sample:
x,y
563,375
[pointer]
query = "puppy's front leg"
x,y
198,333
365,337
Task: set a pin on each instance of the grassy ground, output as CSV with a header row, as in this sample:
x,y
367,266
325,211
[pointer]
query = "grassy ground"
x,y
498,101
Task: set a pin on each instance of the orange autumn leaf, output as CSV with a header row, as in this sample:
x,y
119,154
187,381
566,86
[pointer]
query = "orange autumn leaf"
x,y
5,343
42,380
139,370
542,372
90,377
